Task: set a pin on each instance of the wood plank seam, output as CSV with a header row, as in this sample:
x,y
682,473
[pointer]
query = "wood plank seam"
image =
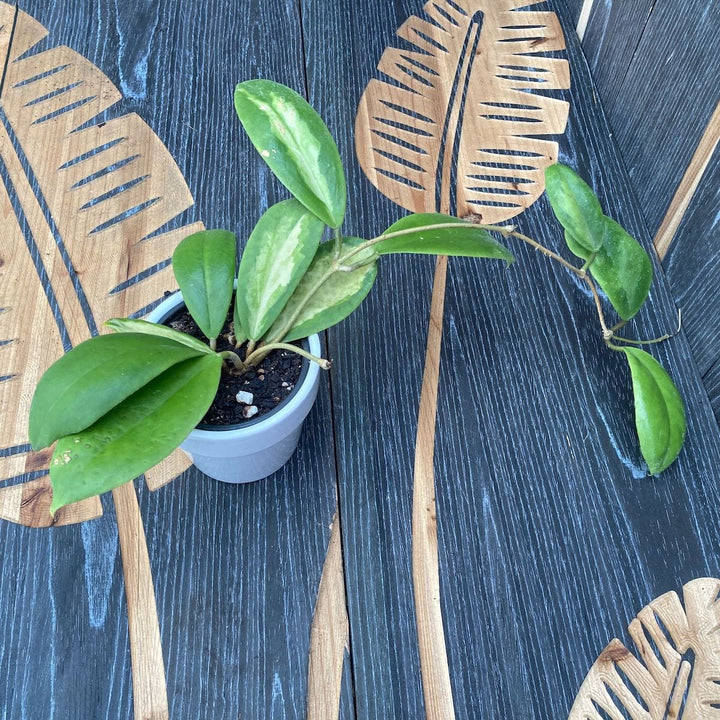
x,y
689,184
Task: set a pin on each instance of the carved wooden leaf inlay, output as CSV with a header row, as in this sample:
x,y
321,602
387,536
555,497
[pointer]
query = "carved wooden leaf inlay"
x,y
459,122
86,205
674,673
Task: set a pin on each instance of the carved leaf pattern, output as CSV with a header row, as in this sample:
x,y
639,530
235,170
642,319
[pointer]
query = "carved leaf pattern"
x,y
676,671
455,124
87,203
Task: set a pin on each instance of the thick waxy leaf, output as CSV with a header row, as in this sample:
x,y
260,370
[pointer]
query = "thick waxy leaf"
x,y
278,252
94,377
621,267
294,141
421,234
137,434
575,206
326,295
204,267
659,410
130,325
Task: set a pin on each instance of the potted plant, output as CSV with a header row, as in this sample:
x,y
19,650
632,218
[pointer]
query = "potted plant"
x,y
119,403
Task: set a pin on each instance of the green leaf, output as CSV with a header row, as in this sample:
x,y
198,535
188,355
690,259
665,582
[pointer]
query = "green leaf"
x,y
136,435
129,325
326,294
575,206
659,410
294,141
419,234
204,267
623,270
94,377
278,252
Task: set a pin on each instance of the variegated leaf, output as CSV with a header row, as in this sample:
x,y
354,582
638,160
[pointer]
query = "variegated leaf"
x,y
86,227
459,122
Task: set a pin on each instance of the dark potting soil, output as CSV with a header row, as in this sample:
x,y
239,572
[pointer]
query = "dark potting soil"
x,y
270,382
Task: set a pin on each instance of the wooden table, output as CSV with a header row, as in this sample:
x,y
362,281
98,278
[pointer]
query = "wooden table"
x,y
550,536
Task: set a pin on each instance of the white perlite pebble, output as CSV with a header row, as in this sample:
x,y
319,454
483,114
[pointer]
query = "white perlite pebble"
x,y
244,397
250,411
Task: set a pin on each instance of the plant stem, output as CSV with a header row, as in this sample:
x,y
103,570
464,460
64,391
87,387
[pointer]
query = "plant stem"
x,y
234,358
265,350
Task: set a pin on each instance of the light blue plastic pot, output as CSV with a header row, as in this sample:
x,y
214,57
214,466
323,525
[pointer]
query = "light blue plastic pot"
x,y
257,448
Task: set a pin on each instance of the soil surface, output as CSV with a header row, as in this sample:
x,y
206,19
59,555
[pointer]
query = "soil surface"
x,y
269,383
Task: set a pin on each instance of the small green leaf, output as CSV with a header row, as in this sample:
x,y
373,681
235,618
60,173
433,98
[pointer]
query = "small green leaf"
x,y
129,325
136,435
575,206
419,234
94,377
327,294
659,410
621,267
623,270
278,252
204,267
297,146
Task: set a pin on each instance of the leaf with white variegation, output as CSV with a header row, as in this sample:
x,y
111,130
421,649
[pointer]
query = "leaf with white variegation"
x,y
296,144
327,293
278,252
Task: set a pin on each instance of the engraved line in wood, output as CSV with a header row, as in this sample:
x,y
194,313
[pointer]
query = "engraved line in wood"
x,y
688,185
90,239
583,19
148,668
674,672
329,635
460,105
434,668
453,127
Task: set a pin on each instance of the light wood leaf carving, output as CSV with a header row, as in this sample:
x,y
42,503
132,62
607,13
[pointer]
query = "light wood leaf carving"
x,y
87,204
458,122
675,671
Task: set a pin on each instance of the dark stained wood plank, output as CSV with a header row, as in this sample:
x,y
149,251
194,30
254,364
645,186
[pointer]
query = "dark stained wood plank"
x,y
691,266
658,76
551,538
236,569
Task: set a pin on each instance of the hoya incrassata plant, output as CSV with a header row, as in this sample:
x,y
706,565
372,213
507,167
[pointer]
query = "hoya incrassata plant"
x,y
120,403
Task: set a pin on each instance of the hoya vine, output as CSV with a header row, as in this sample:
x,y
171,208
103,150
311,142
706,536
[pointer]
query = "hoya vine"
x,y
103,402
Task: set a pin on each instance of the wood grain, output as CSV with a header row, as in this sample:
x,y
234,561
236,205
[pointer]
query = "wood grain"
x,y
236,571
437,691
460,117
149,689
674,671
689,184
29,504
329,635
658,77
545,518
85,245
